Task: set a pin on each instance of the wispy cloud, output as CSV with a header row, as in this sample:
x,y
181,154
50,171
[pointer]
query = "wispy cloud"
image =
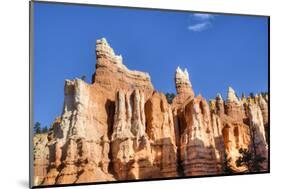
x,y
201,16
199,27
200,22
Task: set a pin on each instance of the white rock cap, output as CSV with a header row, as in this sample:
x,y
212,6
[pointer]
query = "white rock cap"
x,y
231,95
182,75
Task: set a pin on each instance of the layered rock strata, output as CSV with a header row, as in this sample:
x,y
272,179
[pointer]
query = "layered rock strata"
x,y
120,128
197,144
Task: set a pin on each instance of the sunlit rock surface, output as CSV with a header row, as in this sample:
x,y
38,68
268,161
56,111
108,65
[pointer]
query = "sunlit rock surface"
x,y
120,128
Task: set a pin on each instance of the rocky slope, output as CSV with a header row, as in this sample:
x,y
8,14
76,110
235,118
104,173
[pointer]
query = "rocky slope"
x,y
120,128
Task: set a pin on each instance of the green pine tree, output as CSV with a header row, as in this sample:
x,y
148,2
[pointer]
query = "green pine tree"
x,y
252,95
37,128
170,97
226,167
250,160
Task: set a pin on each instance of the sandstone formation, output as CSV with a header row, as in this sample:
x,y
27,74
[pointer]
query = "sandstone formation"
x,y
120,128
161,132
79,141
263,104
183,87
258,132
131,149
233,107
41,156
112,75
197,140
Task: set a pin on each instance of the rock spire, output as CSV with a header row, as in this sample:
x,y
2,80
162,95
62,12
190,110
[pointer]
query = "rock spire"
x,y
120,128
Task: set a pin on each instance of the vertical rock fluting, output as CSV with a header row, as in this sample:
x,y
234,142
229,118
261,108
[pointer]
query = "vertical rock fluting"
x,y
184,96
161,132
119,128
262,102
198,151
236,136
198,131
235,133
259,144
131,150
79,144
217,126
76,140
243,126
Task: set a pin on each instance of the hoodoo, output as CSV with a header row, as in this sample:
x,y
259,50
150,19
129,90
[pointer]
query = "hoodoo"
x,y
120,128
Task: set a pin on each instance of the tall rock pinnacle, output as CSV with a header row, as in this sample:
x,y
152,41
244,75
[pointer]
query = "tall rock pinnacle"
x,y
112,75
231,95
183,84
103,49
183,87
219,104
233,106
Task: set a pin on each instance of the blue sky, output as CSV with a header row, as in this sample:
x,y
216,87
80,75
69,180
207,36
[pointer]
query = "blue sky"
x,y
217,50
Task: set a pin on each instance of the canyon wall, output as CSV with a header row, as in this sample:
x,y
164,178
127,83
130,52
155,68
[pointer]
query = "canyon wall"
x,y
120,128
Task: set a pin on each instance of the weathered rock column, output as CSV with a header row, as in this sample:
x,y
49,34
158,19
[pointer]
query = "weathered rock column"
x,y
131,150
258,141
161,132
198,151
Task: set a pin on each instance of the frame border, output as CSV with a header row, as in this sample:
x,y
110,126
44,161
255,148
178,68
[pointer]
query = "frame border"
x,y
31,92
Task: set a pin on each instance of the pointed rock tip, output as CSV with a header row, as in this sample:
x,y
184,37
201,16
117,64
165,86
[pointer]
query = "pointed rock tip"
x,y
102,40
230,89
186,74
231,95
219,96
178,69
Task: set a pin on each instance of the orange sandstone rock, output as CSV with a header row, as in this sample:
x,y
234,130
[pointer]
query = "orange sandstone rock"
x,y
119,128
161,132
41,157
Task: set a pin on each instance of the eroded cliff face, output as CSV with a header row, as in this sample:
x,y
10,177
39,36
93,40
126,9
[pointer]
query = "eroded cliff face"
x,y
131,149
197,140
80,140
263,104
161,132
41,157
120,128
257,129
112,75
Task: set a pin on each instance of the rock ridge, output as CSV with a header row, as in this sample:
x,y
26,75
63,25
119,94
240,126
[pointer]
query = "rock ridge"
x,y
120,128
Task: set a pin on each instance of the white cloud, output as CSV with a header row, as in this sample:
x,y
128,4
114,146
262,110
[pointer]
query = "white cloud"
x,y
199,27
203,16
201,21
